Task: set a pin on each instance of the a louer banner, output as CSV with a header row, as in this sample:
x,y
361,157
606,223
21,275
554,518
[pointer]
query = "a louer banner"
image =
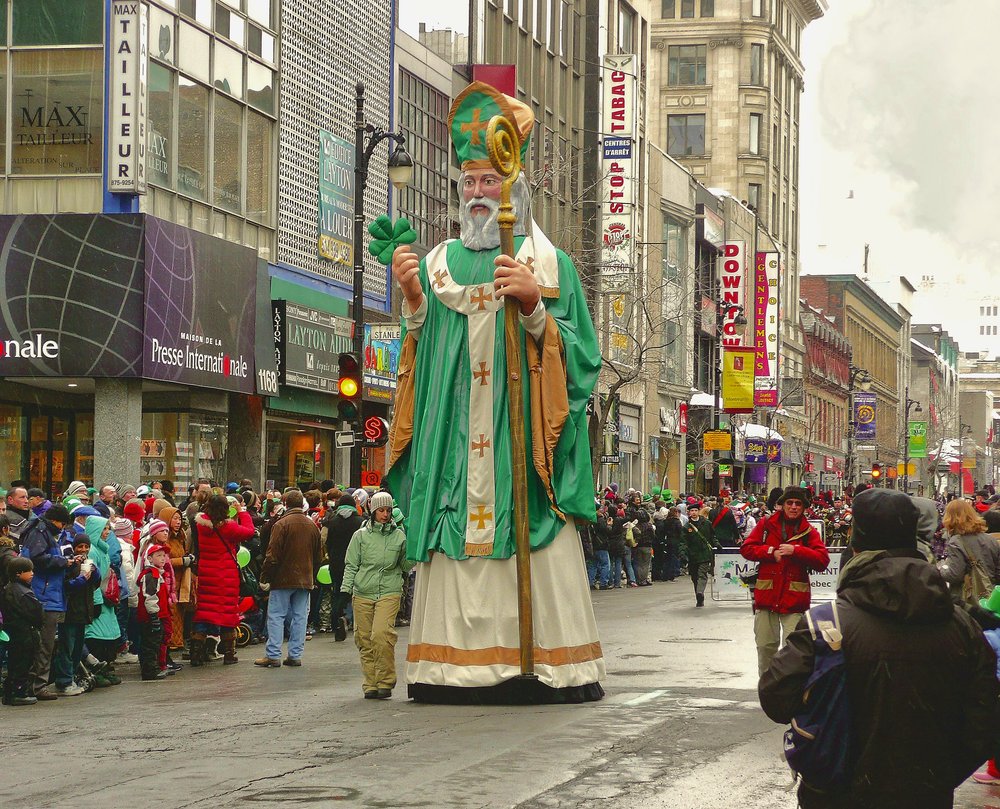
x,y
738,379
864,416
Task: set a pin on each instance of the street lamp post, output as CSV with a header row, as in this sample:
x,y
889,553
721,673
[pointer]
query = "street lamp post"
x,y
859,379
906,439
722,310
400,164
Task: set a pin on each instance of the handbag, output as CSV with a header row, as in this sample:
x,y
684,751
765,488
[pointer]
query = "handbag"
x,y
111,590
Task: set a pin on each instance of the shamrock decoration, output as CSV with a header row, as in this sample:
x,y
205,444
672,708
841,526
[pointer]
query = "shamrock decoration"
x,y
388,236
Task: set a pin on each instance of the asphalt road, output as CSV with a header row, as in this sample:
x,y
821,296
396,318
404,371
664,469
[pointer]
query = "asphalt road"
x,y
680,727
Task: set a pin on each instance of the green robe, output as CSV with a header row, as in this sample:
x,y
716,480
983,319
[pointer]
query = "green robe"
x,y
429,479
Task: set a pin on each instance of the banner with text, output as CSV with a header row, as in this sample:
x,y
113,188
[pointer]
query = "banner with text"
x,y
917,437
733,275
200,310
336,199
127,117
864,416
618,168
738,379
381,360
765,329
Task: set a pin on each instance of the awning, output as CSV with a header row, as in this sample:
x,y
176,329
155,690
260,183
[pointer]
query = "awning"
x,y
751,430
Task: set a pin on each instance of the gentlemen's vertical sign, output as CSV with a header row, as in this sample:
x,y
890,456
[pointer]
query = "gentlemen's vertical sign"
x,y
127,77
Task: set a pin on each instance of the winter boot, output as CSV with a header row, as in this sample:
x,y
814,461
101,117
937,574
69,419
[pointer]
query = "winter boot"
x,y
227,646
198,657
699,599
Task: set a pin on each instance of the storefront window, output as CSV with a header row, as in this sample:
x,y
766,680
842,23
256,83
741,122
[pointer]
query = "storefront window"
x,y
192,139
161,125
84,447
260,143
57,120
226,152
11,443
183,447
56,22
297,454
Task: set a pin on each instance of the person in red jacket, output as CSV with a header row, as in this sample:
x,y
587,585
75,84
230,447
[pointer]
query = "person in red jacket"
x,y
787,548
217,610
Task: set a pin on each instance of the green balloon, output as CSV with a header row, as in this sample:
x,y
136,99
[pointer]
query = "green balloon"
x,y
323,576
242,557
4,637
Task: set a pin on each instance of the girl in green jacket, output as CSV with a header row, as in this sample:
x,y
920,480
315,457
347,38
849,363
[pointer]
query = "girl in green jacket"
x,y
373,575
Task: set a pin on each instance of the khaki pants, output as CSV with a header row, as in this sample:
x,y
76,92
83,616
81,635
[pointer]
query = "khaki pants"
x,y
375,636
771,630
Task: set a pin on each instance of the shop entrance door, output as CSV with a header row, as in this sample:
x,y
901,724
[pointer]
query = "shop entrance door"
x,y
49,447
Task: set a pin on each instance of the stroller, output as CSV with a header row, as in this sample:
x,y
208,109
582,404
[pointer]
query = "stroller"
x,y
251,626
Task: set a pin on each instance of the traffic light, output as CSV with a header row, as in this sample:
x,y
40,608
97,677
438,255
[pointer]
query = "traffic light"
x,y
876,472
349,388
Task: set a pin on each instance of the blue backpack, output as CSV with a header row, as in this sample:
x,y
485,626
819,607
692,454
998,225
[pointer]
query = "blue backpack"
x,y
820,745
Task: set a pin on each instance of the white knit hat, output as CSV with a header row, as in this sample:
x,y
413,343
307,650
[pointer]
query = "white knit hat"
x,y
380,500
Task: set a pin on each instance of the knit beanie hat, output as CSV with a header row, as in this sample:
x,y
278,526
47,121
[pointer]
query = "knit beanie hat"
x,y
76,487
361,497
155,527
884,519
122,527
134,511
381,500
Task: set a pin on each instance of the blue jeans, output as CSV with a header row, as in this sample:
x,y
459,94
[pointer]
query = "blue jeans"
x,y
599,568
629,570
69,653
287,608
616,571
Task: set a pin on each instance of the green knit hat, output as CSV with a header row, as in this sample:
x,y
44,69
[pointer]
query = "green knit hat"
x,y
470,116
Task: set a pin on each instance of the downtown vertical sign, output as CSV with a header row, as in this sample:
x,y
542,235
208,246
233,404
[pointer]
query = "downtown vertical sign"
x,y
733,276
765,328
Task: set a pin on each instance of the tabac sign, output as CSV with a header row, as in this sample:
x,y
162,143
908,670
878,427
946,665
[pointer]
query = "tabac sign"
x,y
618,170
127,98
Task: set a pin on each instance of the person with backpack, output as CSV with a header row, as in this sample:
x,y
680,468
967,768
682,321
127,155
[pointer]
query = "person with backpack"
x,y
786,548
920,695
972,566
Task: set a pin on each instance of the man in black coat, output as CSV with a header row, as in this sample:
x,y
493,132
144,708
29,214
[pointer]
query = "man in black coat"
x,y
921,677
341,523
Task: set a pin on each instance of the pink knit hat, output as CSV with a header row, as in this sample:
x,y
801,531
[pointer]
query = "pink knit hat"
x,y
155,527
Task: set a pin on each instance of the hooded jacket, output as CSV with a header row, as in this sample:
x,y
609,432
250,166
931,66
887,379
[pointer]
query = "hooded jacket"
x,y
783,585
41,544
921,681
927,525
341,524
376,562
105,623
218,574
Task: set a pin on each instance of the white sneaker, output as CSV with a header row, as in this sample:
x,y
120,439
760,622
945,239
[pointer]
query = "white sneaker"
x,y
125,657
72,690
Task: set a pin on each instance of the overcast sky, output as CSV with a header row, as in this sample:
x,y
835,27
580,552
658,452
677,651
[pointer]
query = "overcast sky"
x,y
899,146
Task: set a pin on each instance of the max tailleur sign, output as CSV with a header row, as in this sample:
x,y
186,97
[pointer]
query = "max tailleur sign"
x,y
127,110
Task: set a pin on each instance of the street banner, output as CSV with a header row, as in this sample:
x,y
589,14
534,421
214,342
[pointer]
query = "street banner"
x,y
336,199
864,416
738,379
733,274
618,169
760,450
381,360
611,452
917,439
765,329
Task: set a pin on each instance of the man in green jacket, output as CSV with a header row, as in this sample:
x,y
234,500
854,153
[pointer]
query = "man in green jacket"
x,y
373,575
700,543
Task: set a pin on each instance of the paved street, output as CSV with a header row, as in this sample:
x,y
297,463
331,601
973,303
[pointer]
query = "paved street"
x,y
680,727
